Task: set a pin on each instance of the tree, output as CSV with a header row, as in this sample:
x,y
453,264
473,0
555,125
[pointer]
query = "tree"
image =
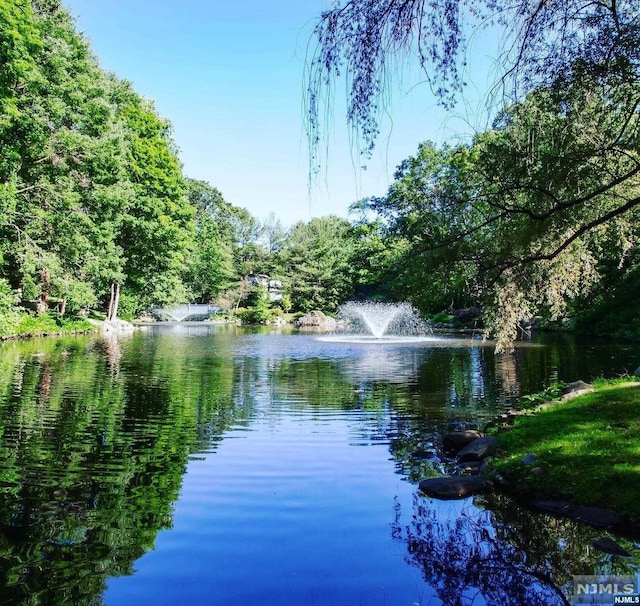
x,y
524,218
316,260
210,270
62,157
92,195
272,239
367,40
157,226
560,176
525,209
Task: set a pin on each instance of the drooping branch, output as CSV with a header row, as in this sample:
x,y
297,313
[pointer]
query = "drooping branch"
x,y
368,41
566,242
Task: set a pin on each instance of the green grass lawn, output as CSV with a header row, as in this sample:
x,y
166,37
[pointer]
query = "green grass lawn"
x,y
49,323
588,449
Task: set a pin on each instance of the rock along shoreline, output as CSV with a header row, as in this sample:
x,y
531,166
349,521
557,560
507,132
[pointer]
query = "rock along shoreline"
x,y
471,452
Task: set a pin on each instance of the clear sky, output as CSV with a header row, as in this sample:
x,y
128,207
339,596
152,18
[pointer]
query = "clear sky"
x,y
230,78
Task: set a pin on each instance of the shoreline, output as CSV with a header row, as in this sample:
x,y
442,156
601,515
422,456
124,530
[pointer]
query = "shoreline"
x,y
578,457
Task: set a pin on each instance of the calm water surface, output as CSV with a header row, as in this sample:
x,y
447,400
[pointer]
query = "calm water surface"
x,y
216,465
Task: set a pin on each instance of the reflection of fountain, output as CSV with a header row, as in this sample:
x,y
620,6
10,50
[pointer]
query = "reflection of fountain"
x,y
385,322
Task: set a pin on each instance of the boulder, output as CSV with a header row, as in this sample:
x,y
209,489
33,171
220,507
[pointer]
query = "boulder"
x,y
454,441
458,487
575,389
637,372
316,319
478,450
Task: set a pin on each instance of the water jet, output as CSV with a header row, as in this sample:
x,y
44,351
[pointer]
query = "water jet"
x,y
375,322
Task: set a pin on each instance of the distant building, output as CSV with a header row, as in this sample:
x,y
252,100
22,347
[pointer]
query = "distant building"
x,y
274,287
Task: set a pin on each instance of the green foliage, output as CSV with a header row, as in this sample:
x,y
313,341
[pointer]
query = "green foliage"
x,y
316,260
529,217
91,189
210,269
442,317
259,307
286,302
587,448
532,217
552,392
9,313
129,306
50,324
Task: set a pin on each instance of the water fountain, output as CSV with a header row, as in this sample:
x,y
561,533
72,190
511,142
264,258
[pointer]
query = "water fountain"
x,y
375,322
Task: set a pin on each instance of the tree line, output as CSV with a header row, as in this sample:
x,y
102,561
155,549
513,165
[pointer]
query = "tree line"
x,y
95,211
536,216
539,214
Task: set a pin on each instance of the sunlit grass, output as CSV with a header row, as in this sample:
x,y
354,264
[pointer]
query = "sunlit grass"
x,y
31,325
588,450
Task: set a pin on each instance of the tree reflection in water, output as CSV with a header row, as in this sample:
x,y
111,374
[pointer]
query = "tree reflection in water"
x,y
503,555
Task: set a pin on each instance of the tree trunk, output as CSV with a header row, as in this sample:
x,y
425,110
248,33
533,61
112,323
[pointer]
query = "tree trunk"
x,y
41,305
112,312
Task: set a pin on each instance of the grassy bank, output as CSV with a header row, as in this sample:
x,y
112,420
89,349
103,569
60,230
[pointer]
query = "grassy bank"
x,y
587,450
28,325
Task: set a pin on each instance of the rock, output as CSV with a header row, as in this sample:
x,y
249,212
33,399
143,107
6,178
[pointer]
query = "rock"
x,y
478,449
316,319
117,325
637,372
575,389
537,471
455,441
595,516
529,459
610,546
424,454
470,467
458,487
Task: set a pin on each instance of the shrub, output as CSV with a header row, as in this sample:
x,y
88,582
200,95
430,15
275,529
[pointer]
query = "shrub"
x,y
9,312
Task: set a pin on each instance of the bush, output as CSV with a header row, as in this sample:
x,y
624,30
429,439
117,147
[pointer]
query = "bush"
x,y
442,317
9,312
254,315
128,306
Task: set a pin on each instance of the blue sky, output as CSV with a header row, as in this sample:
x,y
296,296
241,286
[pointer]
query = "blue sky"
x,y
229,77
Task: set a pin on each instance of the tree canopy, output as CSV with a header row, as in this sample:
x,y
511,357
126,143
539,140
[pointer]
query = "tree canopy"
x,y
521,217
368,41
537,216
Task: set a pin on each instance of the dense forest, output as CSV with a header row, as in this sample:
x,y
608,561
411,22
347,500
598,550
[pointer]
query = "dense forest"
x,y
535,218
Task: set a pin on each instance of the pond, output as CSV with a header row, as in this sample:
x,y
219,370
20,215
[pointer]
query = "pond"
x,y
195,464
